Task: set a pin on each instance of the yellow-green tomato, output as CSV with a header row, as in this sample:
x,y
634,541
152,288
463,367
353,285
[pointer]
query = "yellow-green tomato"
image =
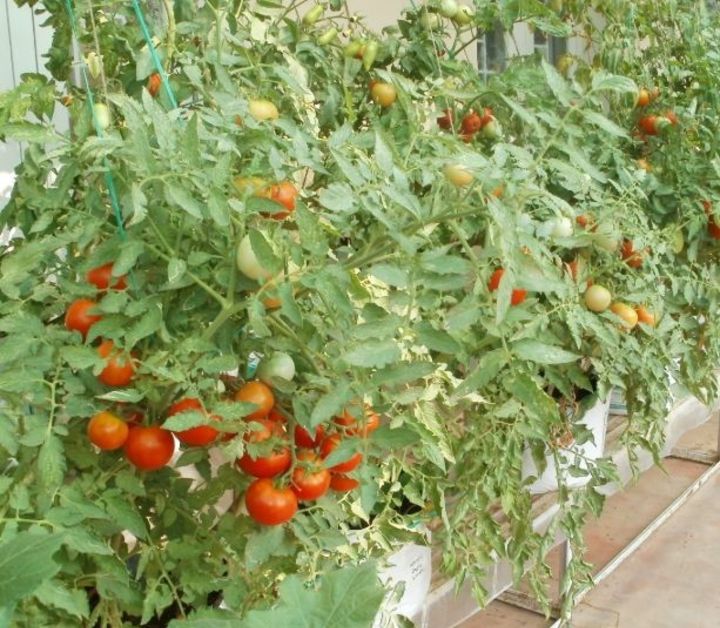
x,y
626,313
448,8
384,94
464,15
278,366
248,263
458,175
597,298
102,115
313,15
263,110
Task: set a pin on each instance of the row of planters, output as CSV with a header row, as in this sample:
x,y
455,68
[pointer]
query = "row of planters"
x,y
293,292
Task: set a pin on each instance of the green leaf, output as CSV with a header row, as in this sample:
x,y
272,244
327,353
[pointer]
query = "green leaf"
x,y
383,156
26,561
176,269
390,274
79,357
312,236
263,251
347,598
602,81
557,83
606,125
51,463
490,364
403,373
28,132
331,404
266,543
373,354
536,351
54,593
177,196
337,197
81,540
130,250
185,420
395,438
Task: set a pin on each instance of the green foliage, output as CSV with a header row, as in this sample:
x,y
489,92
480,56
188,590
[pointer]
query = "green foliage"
x,y
381,275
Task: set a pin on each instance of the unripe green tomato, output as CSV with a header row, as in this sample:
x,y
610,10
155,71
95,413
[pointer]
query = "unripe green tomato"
x,y
492,130
102,115
313,15
430,21
263,110
448,8
248,263
328,36
352,48
597,298
562,227
464,15
280,365
678,242
369,55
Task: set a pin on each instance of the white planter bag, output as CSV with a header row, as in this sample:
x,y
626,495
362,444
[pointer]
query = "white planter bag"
x,y
409,570
595,419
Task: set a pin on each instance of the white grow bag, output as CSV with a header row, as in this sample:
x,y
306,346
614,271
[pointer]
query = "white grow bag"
x,y
595,419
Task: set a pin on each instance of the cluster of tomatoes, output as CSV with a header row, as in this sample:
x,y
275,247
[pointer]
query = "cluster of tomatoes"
x,y
80,316
280,485
472,123
653,124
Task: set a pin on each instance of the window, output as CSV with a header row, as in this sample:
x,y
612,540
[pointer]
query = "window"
x,y
551,48
491,52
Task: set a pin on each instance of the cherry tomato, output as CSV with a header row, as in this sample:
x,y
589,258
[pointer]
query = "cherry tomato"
x,y
343,483
78,317
153,84
471,123
445,121
384,94
101,277
326,448
303,438
195,436
268,504
310,479
458,175
643,98
518,295
258,393
107,431
626,313
149,448
597,298
277,462
285,194
263,110
652,125
119,369
645,316
632,258
368,424
671,117
713,229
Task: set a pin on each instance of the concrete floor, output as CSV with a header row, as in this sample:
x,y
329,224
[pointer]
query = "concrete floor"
x,y
671,581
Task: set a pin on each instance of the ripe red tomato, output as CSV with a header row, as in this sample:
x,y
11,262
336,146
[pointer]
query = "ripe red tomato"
x,y
258,393
367,425
331,443
303,438
471,123
518,295
310,479
78,317
101,277
713,229
268,504
632,258
343,483
195,436
119,369
277,462
286,194
275,415
107,431
153,84
652,125
707,207
149,448
445,121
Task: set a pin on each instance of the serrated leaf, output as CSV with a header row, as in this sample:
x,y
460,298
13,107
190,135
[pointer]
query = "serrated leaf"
x,y
81,540
602,81
55,594
373,354
175,270
337,197
604,123
383,156
263,251
51,463
26,561
28,132
312,236
130,250
185,420
542,353
403,373
348,597
557,83
177,196
489,365
79,357
330,404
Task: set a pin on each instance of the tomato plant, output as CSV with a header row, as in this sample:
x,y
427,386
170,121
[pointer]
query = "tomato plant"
x,y
422,203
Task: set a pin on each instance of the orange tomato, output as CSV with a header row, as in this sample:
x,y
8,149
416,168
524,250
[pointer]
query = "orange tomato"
x,y
107,431
645,316
153,84
643,98
258,393
119,368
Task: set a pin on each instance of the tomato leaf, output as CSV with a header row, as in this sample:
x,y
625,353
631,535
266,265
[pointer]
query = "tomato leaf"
x,y
348,597
536,351
185,420
177,196
377,353
330,404
26,561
